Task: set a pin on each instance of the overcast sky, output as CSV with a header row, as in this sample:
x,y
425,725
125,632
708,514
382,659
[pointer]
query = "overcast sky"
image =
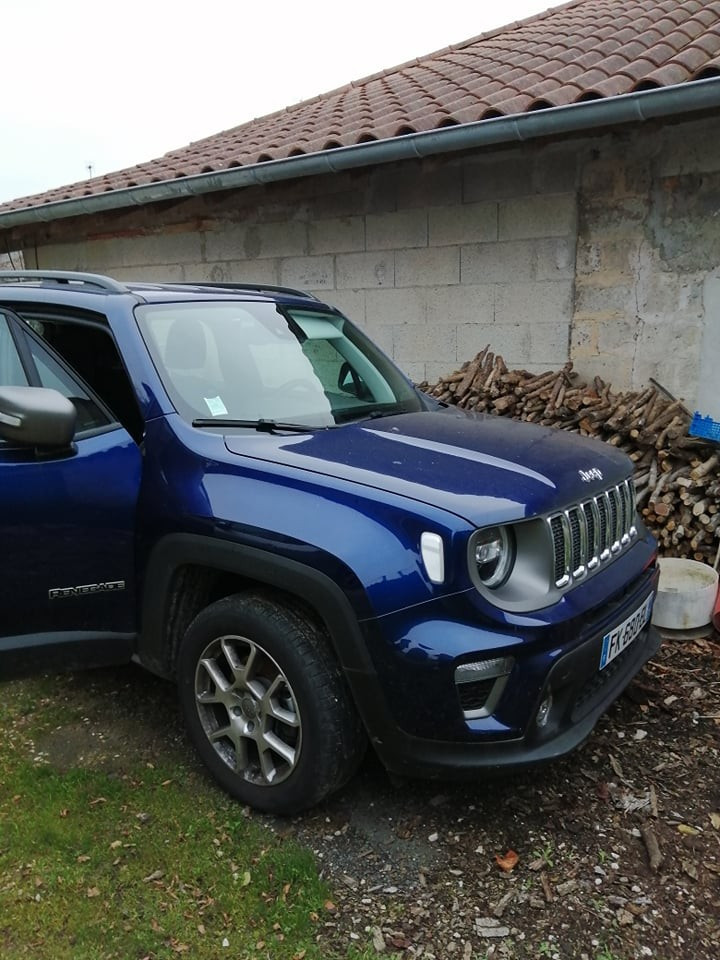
x,y
111,84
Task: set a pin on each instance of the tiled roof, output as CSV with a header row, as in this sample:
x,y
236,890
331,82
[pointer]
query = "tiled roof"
x,y
583,50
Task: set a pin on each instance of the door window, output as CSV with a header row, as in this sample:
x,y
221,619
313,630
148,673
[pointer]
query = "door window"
x,y
33,365
11,369
52,375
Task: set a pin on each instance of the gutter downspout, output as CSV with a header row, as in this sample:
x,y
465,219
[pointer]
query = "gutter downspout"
x,y
647,105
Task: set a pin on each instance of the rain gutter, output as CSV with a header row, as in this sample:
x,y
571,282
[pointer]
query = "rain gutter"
x,y
680,99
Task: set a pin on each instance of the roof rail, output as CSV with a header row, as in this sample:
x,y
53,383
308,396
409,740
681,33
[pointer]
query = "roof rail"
x,y
240,285
67,278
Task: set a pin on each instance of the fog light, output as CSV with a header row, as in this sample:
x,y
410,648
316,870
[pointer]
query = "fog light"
x,y
544,711
480,685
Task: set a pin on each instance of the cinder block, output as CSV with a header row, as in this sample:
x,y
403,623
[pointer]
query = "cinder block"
x,y
522,344
61,256
415,371
382,335
156,273
461,304
555,258
541,302
396,306
288,239
349,302
469,223
437,184
639,167
606,341
226,242
240,271
316,273
550,343
535,368
380,194
349,202
268,209
599,260
690,148
474,337
547,216
496,176
592,299
600,173
338,235
159,248
99,256
519,343
423,268
360,271
510,262
606,219
617,371
393,231
418,343
252,241
669,297
434,370
672,355
108,255
555,168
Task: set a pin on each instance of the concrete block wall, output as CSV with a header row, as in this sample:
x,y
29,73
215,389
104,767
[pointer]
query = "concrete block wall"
x,y
433,260
648,240
594,248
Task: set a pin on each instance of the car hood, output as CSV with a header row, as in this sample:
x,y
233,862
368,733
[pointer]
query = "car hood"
x,y
484,468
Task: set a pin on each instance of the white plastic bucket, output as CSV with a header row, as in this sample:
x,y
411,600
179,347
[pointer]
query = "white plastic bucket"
x,y
686,595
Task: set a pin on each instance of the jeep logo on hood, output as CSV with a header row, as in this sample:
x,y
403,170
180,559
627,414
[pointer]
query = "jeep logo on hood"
x,y
587,476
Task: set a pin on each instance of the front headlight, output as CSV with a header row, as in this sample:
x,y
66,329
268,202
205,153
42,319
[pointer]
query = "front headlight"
x,y
494,555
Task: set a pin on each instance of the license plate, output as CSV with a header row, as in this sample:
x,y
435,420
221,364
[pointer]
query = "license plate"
x,y
624,633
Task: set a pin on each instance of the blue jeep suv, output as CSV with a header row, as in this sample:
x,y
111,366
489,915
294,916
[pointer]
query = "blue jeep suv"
x,y
231,485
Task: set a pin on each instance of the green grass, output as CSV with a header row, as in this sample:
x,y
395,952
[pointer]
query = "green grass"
x,y
151,863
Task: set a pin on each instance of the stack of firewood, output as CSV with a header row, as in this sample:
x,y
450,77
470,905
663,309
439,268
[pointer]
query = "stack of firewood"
x,y
676,476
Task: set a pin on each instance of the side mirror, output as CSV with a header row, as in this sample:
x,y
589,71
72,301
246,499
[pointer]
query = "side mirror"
x,y
36,417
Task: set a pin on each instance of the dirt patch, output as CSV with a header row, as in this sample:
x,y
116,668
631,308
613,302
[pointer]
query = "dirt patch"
x,y
618,845
115,718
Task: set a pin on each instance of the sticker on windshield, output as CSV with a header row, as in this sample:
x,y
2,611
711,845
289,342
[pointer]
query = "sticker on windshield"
x,y
216,407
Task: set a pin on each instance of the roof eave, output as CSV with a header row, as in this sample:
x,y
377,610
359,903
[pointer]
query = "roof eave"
x,y
692,97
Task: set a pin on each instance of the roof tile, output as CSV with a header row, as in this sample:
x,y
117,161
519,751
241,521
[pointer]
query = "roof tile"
x,y
582,50
669,74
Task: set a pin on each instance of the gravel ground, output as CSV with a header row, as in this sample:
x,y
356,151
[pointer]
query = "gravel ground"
x,y
610,854
613,852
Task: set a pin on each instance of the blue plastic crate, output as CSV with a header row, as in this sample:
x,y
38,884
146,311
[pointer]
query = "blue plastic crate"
x,y
705,427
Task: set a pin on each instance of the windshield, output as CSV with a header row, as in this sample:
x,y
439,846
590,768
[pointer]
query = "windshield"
x,y
260,361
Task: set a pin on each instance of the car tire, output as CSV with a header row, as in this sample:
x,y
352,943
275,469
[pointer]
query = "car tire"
x,y
266,704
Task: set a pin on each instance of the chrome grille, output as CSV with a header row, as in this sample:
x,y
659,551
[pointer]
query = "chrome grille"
x,y
590,533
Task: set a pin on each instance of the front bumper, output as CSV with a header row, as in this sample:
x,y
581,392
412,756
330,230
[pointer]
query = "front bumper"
x,y
419,730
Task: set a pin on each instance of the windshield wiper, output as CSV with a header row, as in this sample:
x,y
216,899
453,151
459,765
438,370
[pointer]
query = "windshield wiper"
x,y
355,416
262,426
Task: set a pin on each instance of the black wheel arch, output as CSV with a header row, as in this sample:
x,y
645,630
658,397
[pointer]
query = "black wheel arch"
x,y
169,602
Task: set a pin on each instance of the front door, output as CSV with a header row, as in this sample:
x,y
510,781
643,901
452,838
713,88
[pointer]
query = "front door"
x,y
67,526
